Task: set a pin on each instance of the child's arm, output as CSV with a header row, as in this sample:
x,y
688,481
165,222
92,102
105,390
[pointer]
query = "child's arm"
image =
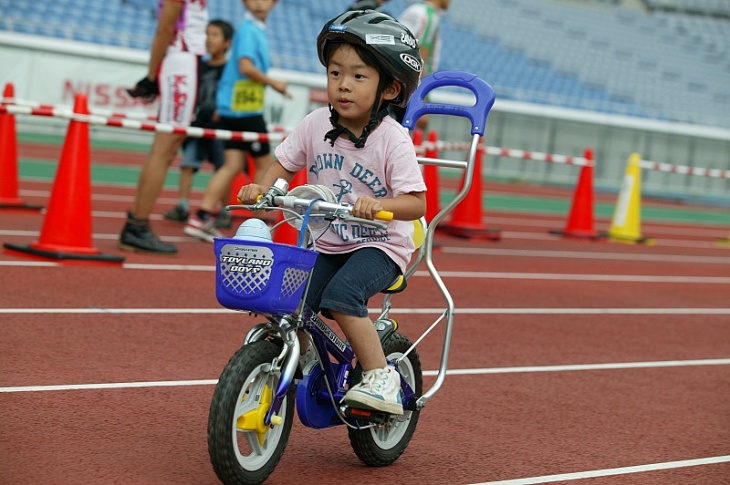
x,y
250,193
405,207
252,72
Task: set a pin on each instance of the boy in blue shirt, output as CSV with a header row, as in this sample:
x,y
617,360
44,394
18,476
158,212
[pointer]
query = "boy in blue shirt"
x,y
240,103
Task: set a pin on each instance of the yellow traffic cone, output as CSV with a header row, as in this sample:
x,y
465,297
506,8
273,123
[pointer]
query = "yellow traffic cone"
x,y
626,223
724,242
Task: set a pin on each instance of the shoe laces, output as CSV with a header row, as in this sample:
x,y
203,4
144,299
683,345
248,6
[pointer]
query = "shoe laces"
x,y
375,379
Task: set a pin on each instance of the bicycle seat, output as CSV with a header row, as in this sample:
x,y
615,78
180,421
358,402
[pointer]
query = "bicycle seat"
x,y
419,235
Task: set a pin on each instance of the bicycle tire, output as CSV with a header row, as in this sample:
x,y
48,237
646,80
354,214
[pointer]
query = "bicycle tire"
x,y
383,445
247,456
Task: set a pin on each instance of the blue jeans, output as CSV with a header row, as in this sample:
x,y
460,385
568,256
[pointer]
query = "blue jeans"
x,y
345,282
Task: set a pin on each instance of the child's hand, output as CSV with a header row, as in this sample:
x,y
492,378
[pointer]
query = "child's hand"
x,y
250,193
366,208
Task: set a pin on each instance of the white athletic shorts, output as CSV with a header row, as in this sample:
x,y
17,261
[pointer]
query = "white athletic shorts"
x,y
178,81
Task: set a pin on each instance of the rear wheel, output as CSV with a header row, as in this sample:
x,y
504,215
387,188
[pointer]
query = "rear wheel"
x,y
382,445
242,449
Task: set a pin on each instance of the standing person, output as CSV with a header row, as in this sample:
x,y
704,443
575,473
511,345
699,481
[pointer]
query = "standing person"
x,y
196,150
424,20
367,159
171,73
240,103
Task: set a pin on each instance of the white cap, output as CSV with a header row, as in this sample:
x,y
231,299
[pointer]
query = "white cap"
x,y
253,229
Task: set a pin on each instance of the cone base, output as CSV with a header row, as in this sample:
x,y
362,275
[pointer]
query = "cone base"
x,y
591,235
473,232
631,239
17,204
38,253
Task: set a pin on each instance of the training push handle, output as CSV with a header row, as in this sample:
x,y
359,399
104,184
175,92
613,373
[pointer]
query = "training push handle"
x,y
477,114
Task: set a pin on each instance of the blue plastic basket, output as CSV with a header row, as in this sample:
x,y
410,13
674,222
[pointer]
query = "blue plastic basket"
x,y
261,277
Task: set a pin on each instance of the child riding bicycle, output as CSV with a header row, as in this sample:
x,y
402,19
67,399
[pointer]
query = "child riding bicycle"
x,y
367,159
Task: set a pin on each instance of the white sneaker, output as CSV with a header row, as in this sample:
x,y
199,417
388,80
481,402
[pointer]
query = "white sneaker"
x,y
205,231
379,390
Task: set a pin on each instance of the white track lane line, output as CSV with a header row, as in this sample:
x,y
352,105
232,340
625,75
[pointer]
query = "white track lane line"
x,y
398,311
531,253
722,280
453,372
612,471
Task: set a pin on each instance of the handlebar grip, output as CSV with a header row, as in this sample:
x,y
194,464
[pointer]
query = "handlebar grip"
x,y
384,215
477,113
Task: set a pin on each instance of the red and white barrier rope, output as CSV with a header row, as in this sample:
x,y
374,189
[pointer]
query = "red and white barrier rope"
x,y
515,153
122,120
684,169
96,111
190,131
581,161
59,109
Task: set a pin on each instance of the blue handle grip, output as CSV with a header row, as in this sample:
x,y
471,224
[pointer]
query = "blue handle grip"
x,y
477,114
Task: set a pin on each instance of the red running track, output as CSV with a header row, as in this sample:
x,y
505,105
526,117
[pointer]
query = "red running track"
x,y
598,362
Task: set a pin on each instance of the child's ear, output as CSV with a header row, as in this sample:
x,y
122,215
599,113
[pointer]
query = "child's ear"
x,y
392,91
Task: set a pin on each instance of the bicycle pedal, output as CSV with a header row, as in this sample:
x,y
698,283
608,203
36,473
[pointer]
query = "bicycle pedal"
x,y
368,415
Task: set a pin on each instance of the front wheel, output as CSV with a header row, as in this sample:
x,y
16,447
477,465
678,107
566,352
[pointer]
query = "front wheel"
x,y
242,449
382,445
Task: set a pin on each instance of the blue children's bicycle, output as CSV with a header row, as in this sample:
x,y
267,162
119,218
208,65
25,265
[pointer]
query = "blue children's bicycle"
x,y
252,409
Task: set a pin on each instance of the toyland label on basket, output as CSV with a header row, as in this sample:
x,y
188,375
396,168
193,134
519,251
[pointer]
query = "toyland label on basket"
x,y
246,259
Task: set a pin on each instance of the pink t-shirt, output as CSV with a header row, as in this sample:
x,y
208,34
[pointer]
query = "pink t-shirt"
x,y
385,167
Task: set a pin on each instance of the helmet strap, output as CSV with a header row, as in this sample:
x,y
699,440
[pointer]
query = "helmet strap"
x,y
376,114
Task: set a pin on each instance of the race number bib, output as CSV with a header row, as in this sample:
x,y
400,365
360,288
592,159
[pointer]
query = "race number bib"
x,y
248,96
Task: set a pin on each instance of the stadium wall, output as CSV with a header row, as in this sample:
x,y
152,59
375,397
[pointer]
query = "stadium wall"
x,y
53,71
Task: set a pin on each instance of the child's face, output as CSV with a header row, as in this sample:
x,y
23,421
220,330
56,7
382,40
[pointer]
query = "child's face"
x,y
215,43
352,86
259,8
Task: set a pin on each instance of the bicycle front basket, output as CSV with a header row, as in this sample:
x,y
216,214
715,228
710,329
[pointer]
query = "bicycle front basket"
x,y
261,277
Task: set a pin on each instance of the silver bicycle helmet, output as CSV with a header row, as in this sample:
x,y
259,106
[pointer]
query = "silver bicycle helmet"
x,y
390,43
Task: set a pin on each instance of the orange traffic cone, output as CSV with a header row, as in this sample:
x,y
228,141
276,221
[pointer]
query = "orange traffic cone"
x,y
466,220
580,222
284,232
431,177
66,232
9,160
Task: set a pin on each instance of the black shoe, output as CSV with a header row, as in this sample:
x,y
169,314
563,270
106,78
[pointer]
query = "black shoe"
x,y
177,213
224,220
138,237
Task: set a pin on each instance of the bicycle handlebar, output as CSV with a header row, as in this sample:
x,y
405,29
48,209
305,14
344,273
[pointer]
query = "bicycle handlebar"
x,y
319,208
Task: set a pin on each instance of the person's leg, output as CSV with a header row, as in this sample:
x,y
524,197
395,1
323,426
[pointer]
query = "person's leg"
x,y
152,176
200,225
215,154
186,185
137,234
363,338
366,272
220,183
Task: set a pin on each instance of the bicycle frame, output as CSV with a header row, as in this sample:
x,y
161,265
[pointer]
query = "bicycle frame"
x,y
327,343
